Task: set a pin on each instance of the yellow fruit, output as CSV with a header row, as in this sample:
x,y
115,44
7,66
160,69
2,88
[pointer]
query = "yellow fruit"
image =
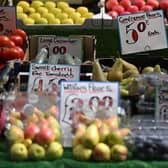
x,y
75,16
88,15
36,3
42,20
69,10
62,16
42,10
54,21
67,21
19,9
28,21
82,10
22,16
29,10
50,4
55,11
35,16
62,5
23,4
80,20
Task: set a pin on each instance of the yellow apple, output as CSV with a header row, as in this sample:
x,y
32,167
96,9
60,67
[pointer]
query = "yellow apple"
x,y
42,10
75,16
22,16
50,4
55,11
88,15
29,10
23,4
67,21
41,20
62,5
69,10
48,16
62,16
19,9
80,20
54,21
82,10
28,21
36,3
35,16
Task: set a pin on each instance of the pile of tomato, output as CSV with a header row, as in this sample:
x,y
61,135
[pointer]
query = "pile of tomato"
x,y
12,46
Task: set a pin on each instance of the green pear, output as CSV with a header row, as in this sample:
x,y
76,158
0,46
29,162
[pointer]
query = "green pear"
x,y
101,152
82,153
104,131
18,152
97,73
147,69
36,152
115,73
127,65
54,150
91,136
157,68
119,152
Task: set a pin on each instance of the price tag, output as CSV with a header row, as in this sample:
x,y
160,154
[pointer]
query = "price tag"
x,y
162,98
47,78
94,99
7,20
60,46
142,32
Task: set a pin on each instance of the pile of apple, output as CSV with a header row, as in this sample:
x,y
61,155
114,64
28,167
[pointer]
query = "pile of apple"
x,y
13,45
120,7
51,12
98,139
35,136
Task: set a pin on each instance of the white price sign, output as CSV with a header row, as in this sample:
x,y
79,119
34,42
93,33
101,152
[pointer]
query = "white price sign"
x,y
93,99
7,20
59,46
142,32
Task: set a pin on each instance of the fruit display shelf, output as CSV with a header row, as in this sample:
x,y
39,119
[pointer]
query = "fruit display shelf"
x,y
105,31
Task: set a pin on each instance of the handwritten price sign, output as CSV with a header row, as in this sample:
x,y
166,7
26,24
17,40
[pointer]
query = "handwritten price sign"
x,y
142,32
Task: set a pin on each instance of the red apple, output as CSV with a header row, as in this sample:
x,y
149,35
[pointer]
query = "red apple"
x,y
125,3
110,4
133,9
125,13
31,131
119,9
113,14
164,4
45,136
139,3
153,3
146,8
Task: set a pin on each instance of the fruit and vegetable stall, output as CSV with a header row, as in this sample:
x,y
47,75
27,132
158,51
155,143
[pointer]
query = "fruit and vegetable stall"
x,y
69,97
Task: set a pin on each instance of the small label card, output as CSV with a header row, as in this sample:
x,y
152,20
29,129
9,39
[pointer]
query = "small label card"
x,y
93,99
142,32
47,77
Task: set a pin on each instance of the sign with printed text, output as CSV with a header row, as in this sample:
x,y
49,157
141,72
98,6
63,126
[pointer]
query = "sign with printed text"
x,y
47,77
142,32
62,46
162,98
7,20
91,99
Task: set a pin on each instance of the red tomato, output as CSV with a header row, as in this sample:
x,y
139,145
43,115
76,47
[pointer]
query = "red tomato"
x,y
6,42
12,53
18,40
21,33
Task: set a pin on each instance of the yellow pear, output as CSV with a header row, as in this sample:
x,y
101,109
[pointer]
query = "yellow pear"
x,y
127,65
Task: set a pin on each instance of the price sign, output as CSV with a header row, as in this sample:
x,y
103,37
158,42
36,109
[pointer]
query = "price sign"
x,y
93,99
7,20
47,78
61,46
142,32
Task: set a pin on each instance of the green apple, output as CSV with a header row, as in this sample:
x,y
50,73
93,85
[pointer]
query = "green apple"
x,y
36,3
18,152
36,152
57,133
54,150
55,11
50,4
67,21
80,20
28,21
19,9
22,16
82,10
62,5
41,20
35,16
54,21
42,10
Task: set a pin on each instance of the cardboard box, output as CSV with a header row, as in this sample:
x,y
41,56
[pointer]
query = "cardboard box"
x,y
89,46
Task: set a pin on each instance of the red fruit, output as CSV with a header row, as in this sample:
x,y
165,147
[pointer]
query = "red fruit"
x,y
31,131
153,3
21,33
164,4
18,40
139,3
125,3
6,42
20,52
110,4
146,8
113,14
125,13
133,9
45,136
119,9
